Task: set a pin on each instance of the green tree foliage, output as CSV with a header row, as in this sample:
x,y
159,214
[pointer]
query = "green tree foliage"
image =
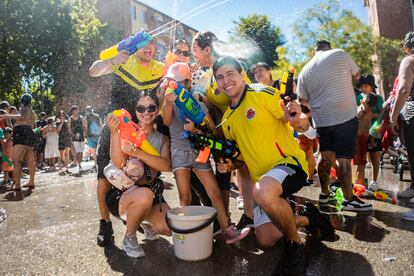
x,y
46,47
267,36
328,21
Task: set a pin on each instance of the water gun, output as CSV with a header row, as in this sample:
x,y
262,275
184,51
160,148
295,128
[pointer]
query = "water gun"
x,y
220,147
189,107
375,130
360,190
132,132
131,44
37,130
286,84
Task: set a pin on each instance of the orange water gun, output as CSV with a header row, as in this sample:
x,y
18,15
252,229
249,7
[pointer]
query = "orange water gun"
x,y
132,132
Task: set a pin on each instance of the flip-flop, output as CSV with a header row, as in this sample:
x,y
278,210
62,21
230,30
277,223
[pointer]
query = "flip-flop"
x,y
10,189
29,186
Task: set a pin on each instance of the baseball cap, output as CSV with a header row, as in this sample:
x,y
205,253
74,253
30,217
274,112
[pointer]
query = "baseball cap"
x,y
179,71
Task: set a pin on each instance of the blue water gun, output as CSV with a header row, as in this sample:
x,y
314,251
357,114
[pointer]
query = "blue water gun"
x,y
131,44
189,107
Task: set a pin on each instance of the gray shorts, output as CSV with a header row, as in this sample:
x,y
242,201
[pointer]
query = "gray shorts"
x,y
185,159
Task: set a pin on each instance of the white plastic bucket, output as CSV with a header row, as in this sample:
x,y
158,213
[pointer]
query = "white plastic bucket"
x,y
192,228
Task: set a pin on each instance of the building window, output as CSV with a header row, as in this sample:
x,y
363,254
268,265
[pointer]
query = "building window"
x,y
143,17
134,12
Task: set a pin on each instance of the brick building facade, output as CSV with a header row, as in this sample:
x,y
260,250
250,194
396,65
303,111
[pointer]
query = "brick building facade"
x,y
391,19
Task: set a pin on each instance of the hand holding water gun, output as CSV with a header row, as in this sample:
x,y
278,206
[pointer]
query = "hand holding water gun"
x,y
219,147
130,44
188,105
132,132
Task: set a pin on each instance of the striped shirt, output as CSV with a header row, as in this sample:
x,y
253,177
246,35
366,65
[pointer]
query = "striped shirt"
x,y
326,82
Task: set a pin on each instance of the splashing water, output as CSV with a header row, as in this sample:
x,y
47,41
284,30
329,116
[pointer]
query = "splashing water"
x,y
241,48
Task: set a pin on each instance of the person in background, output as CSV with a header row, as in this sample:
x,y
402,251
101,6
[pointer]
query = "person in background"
x,y
8,156
94,125
65,142
40,141
50,132
78,128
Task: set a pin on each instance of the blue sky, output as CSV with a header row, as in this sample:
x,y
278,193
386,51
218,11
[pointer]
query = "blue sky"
x,y
219,19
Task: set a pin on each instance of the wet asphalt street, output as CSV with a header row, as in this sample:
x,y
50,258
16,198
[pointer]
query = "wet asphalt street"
x,y
52,230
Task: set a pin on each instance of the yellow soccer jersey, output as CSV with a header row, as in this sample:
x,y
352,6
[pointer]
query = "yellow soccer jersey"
x,y
138,76
258,127
217,97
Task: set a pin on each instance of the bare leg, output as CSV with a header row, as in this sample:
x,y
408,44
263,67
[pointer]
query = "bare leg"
x,y
18,152
137,204
182,178
360,174
246,186
375,158
102,189
267,193
157,218
325,162
210,184
345,176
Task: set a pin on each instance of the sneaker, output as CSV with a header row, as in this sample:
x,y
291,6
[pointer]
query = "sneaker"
x,y
240,203
317,220
295,260
106,233
409,192
245,222
408,215
150,232
231,234
373,186
411,201
356,204
131,247
324,199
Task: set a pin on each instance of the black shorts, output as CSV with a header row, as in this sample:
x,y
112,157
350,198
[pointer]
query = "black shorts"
x,y
24,135
377,147
292,178
340,139
113,197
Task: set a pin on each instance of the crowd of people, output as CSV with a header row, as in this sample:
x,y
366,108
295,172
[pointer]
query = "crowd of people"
x,y
49,143
278,137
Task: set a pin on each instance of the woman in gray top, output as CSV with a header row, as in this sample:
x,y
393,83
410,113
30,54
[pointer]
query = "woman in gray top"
x,y
404,107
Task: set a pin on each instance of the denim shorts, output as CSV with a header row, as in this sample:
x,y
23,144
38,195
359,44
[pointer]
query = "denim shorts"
x,y
185,159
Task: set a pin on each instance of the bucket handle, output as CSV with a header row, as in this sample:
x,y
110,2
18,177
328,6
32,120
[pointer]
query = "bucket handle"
x,y
191,230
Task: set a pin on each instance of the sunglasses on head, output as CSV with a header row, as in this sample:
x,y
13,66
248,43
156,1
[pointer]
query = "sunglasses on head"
x,y
150,108
184,53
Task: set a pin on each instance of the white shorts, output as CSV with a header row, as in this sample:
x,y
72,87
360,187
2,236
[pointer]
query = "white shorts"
x,y
79,146
259,216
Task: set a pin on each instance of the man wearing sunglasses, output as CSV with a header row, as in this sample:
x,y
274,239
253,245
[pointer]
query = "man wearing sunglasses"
x,y
132,74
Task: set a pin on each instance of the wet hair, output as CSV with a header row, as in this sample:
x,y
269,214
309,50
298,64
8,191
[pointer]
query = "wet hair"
x,y
227,60
367,79
322,45
73,108
409,41
372,99
26,99
205,39
49,120
260,64
149,93
7,130
178,42
4,105
42,114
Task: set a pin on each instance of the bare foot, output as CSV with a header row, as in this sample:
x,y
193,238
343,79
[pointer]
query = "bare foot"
x,y
30,186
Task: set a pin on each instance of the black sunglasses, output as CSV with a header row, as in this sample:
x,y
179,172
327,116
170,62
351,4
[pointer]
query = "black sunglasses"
x,y
184,53
149,108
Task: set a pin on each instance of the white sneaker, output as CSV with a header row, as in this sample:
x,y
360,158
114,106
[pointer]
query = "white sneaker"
x,y
373,186
240,203
411,201
149,231
408,215
131,247
409,192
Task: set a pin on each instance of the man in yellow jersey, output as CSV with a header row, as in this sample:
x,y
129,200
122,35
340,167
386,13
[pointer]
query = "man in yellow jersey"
x,y
132,74
260,123
204,53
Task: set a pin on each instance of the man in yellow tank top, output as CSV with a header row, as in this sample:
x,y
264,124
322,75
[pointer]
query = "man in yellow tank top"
x,y
260,123
132,74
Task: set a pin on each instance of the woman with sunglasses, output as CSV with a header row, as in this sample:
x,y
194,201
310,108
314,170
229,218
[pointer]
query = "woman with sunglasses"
x,y
143,201
179,52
